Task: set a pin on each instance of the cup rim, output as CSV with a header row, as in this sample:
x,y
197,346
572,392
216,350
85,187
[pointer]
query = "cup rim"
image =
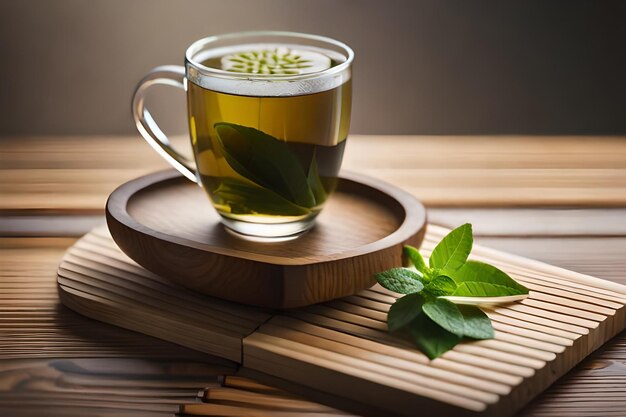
x,y
201,44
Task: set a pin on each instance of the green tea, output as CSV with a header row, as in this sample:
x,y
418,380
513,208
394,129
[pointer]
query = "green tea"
x,y
269,158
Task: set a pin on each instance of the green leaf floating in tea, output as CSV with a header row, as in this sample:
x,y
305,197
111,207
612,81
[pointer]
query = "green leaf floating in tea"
x,y
266,161
315,182
243,198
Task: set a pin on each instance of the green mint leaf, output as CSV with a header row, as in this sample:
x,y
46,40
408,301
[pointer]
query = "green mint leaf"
x,y
448,292
478,279
431,338
416,259
440,286
266,161
476,323
400,280
451,253
404,311
314,181
243,198
431,273
483,289
446,314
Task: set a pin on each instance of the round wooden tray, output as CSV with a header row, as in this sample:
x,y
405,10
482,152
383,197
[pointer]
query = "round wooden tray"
x,y
166,223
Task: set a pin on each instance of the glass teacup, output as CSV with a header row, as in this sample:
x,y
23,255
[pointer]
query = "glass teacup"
x,y
269,114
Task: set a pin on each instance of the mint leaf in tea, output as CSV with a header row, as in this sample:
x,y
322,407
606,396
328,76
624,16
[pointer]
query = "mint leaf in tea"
x,y
269,158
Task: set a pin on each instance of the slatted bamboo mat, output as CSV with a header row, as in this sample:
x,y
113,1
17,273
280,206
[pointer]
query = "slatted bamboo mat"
x,y
340,353
98,280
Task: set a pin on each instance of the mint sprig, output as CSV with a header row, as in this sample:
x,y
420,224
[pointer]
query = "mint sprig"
x,y
440,305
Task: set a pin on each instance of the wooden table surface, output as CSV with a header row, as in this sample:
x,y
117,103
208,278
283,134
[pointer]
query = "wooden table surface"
x,y
558,199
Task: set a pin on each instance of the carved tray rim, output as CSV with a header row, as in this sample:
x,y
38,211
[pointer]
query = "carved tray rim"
x,y
413,223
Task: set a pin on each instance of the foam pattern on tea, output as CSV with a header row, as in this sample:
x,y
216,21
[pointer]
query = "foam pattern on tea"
x,y
265,85
276,61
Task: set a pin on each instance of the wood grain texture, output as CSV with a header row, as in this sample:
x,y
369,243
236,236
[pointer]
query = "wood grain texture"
x,y
99,387
241,396
76,174
342,349
50,171
139,387
539,223
39,330
56,363
166,224
215,327
594,388
543,222
599,256
497,171
33,324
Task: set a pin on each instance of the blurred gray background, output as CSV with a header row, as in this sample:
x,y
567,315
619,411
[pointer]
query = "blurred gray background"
x,y
422,67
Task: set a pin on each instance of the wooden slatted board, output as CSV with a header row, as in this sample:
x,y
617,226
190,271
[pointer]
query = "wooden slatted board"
x,y
340,353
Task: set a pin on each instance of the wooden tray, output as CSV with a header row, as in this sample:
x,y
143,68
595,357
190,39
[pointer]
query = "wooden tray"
x,y
166,224
339,352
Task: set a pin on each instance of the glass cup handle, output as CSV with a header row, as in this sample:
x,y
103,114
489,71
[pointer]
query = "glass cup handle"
x,y
172,75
